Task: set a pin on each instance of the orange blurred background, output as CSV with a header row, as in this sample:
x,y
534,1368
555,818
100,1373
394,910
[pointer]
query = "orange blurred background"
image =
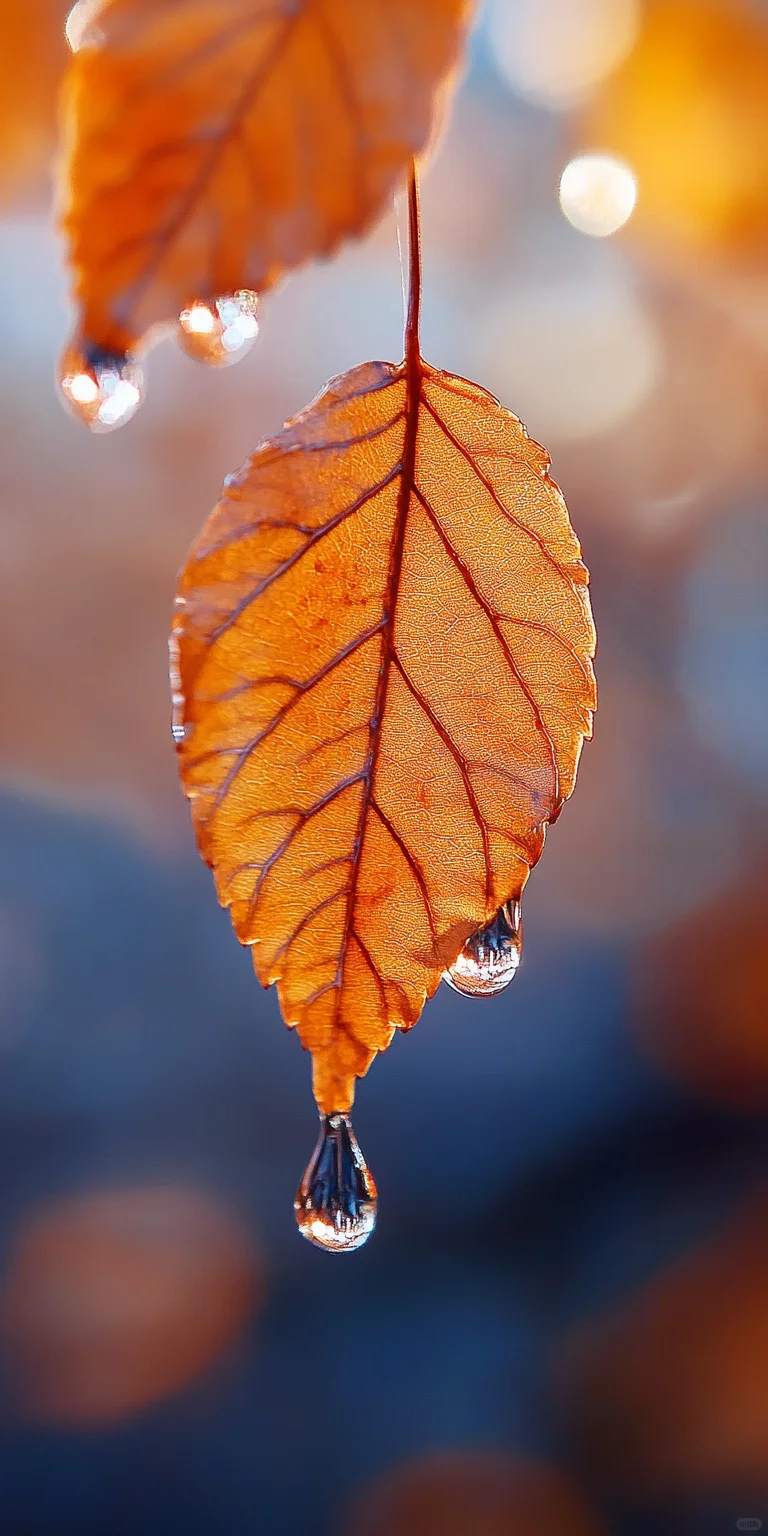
x,y
562,1322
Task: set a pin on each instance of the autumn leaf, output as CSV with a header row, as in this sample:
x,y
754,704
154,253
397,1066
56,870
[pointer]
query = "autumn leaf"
x,y
382,668
209,147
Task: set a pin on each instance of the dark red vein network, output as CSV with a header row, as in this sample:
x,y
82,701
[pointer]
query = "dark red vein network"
x,y
331,715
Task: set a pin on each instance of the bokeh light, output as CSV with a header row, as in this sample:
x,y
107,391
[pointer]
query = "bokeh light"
x,y
554,52
597,194
199,318
83,389
688,111
457,1492
701,997
668,1394
112,1301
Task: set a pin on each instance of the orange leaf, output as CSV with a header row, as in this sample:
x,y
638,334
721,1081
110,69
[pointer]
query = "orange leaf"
x,y
382,668
209,147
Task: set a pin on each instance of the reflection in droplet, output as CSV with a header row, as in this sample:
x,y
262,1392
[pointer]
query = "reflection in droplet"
x,y
83,389
221,332
102,389
336,1201
597,194
490,959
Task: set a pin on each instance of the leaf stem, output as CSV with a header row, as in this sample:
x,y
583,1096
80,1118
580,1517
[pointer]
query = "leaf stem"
x,y
412,348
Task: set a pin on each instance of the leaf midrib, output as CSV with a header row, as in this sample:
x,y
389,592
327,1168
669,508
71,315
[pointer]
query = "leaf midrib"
x,y
413,369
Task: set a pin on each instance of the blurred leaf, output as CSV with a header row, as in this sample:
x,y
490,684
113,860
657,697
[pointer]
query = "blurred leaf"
x,y
210,148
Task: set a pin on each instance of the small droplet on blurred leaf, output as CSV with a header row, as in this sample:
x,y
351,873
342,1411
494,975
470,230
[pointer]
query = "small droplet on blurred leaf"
x,y
336,1201
222,332
491,958
102,389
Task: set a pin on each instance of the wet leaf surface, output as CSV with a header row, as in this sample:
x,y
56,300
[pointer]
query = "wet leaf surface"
x,y
382,655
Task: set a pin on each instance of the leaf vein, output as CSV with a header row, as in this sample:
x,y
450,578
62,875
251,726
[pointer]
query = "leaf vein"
x,y
245,753
496,498
298,554
493,620
461,764
411,861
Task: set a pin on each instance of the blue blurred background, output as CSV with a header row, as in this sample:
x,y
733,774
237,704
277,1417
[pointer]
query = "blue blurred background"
x,y
560,1327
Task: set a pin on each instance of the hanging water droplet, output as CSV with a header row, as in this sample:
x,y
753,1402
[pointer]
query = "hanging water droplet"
x,y
221,332
102,389
490,958
336,1201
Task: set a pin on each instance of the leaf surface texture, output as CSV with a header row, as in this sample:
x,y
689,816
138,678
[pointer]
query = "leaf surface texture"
x,y
382,669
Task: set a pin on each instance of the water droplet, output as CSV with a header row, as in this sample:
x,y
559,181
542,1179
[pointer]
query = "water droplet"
x,y
221,332
336,1201
102,389
490,958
